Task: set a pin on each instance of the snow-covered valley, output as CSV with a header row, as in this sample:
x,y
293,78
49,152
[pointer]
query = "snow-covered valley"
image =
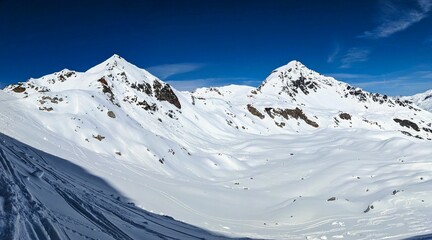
x,y
303,156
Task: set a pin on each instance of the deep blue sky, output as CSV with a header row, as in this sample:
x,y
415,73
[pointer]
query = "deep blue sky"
x,y
382,46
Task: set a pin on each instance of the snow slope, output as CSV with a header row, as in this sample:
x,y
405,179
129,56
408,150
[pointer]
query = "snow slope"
x,y
45,197
301,156
423,100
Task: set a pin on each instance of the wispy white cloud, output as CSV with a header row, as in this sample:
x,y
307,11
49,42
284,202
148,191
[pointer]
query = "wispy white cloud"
x,y
397,18
403,88
334,54
425,74
251,82
395,83
348,75
354,55
167,70
192,84
377,83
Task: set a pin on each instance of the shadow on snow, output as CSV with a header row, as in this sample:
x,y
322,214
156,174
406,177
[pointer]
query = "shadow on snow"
x,y
46,197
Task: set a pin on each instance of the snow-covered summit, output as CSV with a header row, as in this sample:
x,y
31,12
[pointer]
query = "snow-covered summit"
x,y
293,75
423,100
117,64
118,79
293,97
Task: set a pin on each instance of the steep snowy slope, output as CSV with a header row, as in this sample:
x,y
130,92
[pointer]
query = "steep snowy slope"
x,y
114,108
423,100
302,155
45,197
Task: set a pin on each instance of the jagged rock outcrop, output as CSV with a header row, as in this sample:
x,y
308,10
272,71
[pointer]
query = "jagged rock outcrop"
x,y
255,111
163,92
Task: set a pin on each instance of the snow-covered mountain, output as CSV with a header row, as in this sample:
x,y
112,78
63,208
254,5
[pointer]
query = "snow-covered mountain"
x,y
423,100
302,155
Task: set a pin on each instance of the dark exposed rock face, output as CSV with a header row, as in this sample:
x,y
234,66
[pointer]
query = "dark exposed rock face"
x,y
407,123
427,129
147,106
19,89
410,135
293,113
255,111
143,87
406,103
212,89
361,96
303,85
293,86
165,93
106,89
143,104
269,111
62,76
345,116
69,74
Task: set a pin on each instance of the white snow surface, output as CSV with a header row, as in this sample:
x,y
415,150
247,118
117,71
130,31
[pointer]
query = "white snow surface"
x,y
303,156
423,100
60,200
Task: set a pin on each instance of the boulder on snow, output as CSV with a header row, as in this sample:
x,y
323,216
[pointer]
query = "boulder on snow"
x,y
111,114
99,137
345,116
331,199
370,207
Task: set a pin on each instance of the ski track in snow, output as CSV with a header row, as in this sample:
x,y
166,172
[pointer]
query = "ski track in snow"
x,y
83,211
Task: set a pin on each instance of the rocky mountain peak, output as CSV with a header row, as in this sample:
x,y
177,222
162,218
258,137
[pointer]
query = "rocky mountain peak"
x,y
288,98
115,63
294,78
117,80
116,60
